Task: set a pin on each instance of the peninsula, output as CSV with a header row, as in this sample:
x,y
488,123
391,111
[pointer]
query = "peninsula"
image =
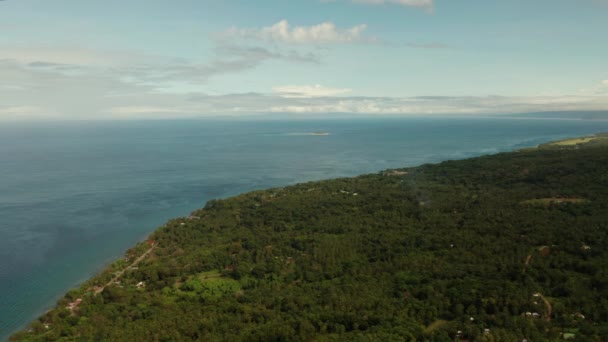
x,y
506,247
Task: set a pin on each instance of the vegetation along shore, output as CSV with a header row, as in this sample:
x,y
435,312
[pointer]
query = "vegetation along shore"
x,y
506,247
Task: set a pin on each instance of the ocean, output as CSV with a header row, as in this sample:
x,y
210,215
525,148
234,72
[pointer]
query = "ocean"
x,y
75,195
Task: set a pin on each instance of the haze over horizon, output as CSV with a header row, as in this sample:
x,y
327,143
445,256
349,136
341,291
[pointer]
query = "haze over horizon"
x,y
69,59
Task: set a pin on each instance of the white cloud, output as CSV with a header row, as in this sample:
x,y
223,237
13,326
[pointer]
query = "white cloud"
x,y
22,67
283,32
40,88
305,91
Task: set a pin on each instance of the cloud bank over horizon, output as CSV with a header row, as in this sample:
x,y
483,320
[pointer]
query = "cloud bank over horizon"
x,y
344,61
117,89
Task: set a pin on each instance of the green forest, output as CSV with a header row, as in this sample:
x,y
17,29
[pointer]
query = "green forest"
x,y
506,247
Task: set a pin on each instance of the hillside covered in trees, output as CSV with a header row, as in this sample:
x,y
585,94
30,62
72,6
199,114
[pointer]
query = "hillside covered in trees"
x,y
508,247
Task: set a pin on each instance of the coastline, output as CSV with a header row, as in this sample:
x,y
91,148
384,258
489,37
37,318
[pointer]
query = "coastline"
x,y
141,250
105,268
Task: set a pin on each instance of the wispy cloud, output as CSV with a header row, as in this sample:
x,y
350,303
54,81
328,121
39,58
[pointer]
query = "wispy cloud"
x,y
229,58
27,113
283,32
137,102
600,88
431,105
74,56
136,68
307,91
234,51
19,110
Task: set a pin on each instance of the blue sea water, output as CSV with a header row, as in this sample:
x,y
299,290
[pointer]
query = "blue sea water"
x,y
75,195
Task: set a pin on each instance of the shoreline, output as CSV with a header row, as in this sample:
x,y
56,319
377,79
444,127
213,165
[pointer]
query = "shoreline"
x,y
104,268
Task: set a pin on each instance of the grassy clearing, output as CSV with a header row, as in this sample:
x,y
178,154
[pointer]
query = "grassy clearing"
x,y
207,285
209,275
219,287
575,141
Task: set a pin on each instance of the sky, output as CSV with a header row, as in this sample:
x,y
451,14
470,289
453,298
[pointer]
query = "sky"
x,y
158,59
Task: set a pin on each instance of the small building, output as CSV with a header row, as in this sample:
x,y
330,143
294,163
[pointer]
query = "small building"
x,y
73,305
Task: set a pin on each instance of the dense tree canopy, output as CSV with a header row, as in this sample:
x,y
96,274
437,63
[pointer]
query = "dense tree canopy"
x,y
498,248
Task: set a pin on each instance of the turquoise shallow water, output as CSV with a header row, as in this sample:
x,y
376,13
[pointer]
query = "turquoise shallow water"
x,y
75,195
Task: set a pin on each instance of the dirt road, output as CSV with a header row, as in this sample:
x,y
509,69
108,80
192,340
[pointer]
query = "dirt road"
x,y
137,261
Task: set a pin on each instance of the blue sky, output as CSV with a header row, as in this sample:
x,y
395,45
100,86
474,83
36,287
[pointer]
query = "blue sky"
x,y
74,59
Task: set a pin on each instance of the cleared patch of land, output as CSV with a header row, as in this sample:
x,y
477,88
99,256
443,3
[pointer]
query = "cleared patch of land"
x,y
395,173
208,285
576,141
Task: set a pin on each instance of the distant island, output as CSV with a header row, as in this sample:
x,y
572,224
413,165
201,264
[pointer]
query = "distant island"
x,y
506,247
